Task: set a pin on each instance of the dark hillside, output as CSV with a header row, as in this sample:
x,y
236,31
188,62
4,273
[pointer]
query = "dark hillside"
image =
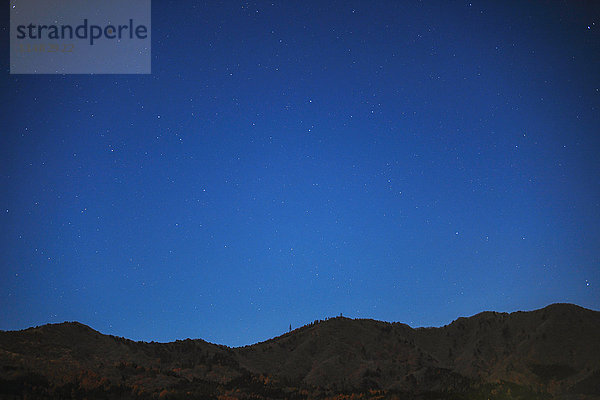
x,y
552,352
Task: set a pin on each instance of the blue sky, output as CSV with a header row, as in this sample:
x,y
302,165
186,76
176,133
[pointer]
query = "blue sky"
x,y
290,161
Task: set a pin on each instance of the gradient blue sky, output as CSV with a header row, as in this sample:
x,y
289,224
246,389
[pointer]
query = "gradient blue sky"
x,y
288,161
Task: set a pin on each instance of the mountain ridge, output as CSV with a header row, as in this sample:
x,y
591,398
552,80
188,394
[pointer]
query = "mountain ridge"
x,y
552,352
487,312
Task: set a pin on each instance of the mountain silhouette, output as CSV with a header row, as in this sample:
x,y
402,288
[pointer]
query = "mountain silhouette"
x,y
553,352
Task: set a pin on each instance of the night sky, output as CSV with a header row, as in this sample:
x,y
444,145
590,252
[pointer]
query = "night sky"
x,y
290,161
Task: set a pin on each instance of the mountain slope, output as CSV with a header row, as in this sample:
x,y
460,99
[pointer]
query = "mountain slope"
x,y
72,352
554,351
552,348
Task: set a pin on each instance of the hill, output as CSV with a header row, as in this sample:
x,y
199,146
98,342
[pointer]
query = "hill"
x,y
549,353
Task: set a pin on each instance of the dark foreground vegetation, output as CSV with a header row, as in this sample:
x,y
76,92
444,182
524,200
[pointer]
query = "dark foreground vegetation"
x,y
545,354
